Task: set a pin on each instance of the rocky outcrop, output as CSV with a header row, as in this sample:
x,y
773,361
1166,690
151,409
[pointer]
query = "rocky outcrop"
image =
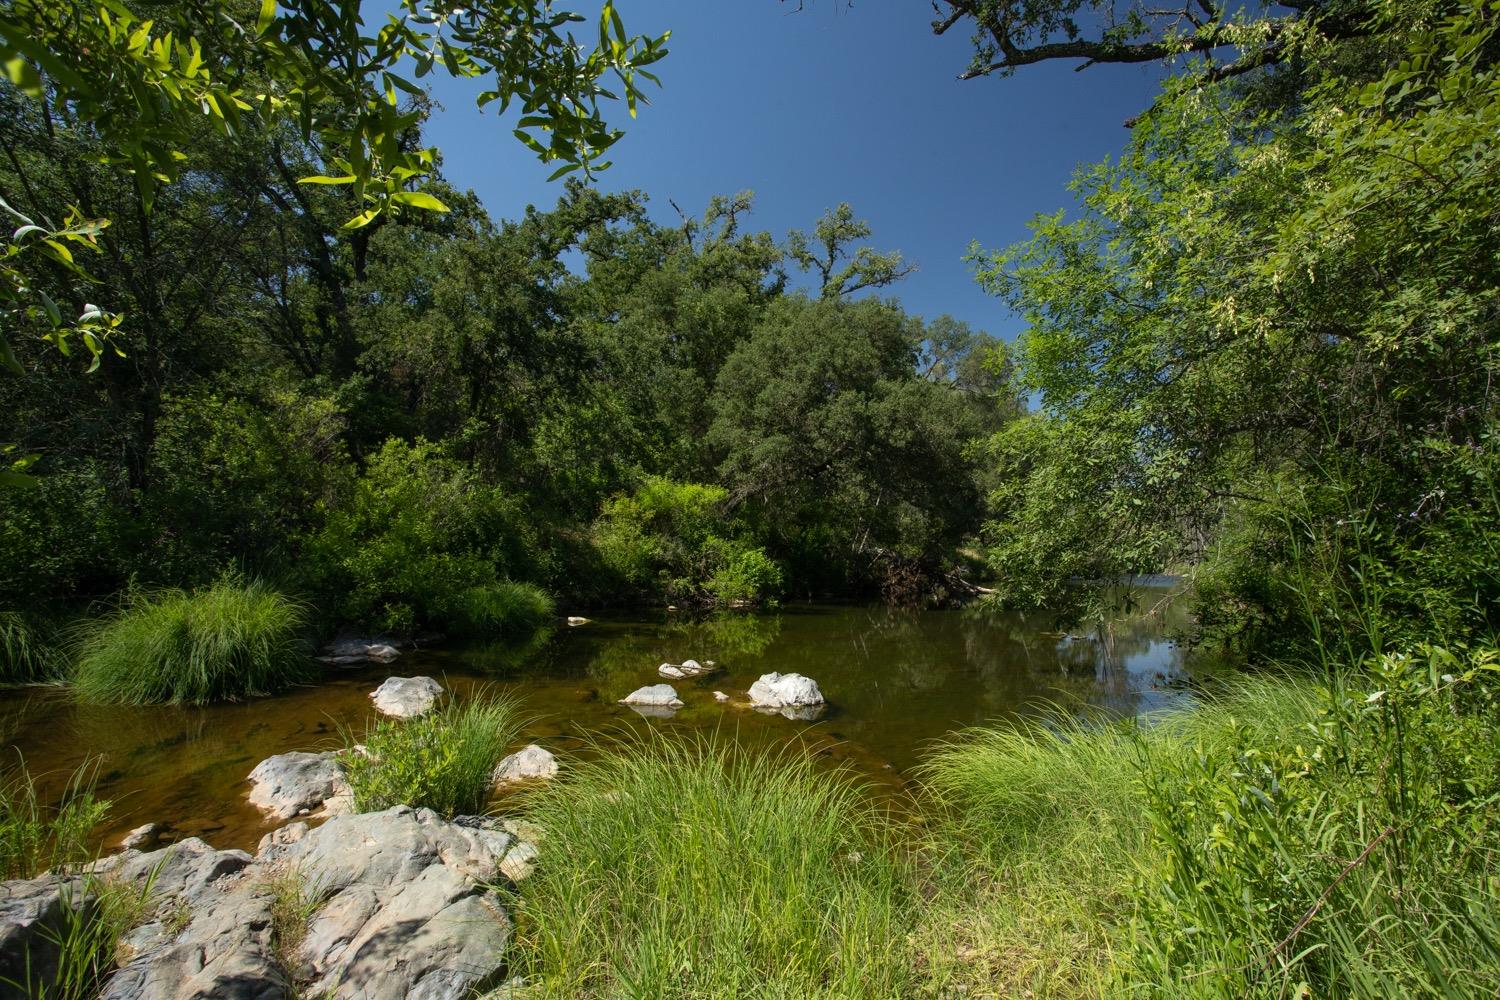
x,y
791,695
298,784
531,763
406,697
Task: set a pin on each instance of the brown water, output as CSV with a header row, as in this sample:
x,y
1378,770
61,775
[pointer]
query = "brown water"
x,y
895,681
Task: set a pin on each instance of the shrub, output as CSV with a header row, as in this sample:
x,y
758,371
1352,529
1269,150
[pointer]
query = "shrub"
x,y
423,541
232,639
34,837
701,870
660,542
443,760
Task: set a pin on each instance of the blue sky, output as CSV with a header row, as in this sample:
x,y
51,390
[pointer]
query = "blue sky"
x,y
835,103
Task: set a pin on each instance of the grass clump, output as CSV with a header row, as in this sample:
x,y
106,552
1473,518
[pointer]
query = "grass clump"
x,y
444,760
502,607
35,837
28,654
699,869
233,639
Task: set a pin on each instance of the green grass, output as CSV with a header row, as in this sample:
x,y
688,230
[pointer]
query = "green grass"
x,y
502,607
28,654
35,837
443,760
698,869
231,640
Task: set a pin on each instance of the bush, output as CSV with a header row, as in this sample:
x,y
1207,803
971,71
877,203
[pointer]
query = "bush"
x,y
423,541
443,760
660,542
701,870
233,639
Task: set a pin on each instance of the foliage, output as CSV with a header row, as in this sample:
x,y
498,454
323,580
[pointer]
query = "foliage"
x,y
850,465
662,541
232,639
146,86
1283,289
443,760
424,541
698,869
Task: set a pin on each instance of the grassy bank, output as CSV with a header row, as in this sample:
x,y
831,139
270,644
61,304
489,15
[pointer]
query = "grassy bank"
x,y
1282,838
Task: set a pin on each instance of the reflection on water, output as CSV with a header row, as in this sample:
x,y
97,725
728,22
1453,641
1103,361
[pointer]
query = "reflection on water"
x,y
895,681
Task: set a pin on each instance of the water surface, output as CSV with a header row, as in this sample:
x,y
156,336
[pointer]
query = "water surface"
x,y
896,680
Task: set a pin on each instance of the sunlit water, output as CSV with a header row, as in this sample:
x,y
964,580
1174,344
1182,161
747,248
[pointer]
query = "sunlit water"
x,y
895,681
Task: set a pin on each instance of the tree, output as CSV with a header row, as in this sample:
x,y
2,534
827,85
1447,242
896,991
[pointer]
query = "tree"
x,y
842,270
1229,39
1281,320
141,87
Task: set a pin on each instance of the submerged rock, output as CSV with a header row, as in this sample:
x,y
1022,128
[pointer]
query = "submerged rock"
x,y
296,783
531,763
720,697
791,695
658,701
356,651
685,669
406,697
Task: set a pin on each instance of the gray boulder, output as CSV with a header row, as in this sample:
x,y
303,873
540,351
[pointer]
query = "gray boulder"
x,y
298,783
655,696
531,763
406,697
33,916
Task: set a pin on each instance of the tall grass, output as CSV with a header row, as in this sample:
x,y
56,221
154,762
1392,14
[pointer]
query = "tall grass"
x,y
698,869
443,760
28,653
233,639
35,837
502,607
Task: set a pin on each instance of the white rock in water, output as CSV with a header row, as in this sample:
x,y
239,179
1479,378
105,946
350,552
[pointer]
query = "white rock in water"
x,y
577,620
720,696
656,696
354,652
529,764
685,669
671,671
785,691
406,697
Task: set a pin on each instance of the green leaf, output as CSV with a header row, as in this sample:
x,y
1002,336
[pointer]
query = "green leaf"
x,y
267,15
325,179
419,199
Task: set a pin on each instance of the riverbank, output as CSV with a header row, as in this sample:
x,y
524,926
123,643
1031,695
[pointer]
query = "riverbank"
x,y
1281,832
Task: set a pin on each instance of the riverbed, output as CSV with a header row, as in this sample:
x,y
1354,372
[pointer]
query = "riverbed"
x,y
895,680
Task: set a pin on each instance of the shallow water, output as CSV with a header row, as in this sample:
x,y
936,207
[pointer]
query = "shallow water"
x,y
895,680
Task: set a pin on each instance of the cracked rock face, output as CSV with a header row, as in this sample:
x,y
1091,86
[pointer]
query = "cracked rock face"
x,y
298,783
406,697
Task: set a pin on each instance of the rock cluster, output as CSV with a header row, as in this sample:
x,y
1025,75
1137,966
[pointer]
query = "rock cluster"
x,y
685,669
356,652
402,908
